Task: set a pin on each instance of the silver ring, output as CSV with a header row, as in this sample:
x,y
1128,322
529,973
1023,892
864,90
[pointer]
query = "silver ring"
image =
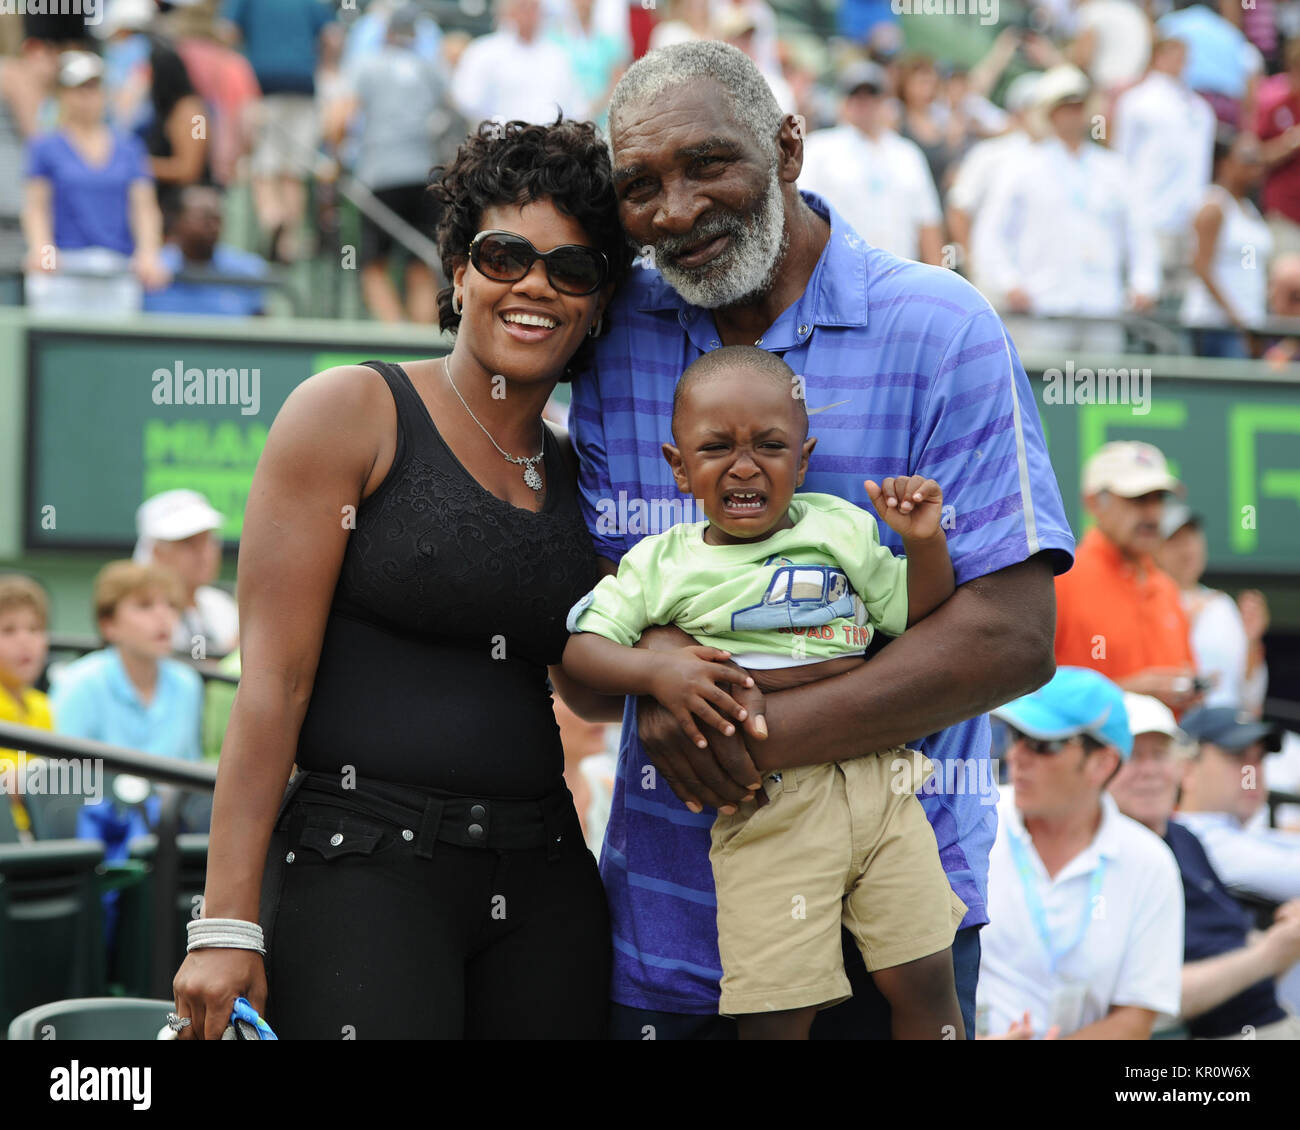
x,y
176,1023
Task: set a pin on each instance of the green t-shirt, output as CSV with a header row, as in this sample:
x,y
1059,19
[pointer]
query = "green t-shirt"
x,y
815,591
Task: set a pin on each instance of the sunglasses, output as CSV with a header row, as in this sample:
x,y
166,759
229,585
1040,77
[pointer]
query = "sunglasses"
x,y
1045,746
572,269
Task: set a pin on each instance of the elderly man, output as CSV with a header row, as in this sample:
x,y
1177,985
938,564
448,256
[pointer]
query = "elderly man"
x,y
1223,792
1115,610
178,530
1085,907
915,375
1228,968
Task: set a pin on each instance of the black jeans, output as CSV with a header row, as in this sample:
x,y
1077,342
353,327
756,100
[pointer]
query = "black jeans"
x,y
378,928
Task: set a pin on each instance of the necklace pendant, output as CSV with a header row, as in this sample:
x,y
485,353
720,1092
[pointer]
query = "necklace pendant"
x,y
532,478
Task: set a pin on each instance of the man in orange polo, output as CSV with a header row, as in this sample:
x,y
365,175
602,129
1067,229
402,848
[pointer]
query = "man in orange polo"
x,y
1116,612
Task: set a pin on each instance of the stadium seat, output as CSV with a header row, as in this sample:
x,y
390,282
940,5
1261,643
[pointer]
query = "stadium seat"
x,y
51,933
92,1018
8,829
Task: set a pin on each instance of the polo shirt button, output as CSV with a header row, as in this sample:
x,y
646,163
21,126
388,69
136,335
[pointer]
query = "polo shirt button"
x,y
477,812
336,839
289,858
475,831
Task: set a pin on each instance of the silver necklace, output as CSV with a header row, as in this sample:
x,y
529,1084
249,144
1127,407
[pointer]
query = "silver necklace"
x,y
531,477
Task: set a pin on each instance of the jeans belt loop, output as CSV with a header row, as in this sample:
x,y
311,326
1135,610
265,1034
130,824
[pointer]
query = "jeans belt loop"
x,y
428,834
291,790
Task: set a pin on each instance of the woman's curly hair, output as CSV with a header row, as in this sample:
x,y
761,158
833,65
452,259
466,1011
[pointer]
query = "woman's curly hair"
x,y
567,162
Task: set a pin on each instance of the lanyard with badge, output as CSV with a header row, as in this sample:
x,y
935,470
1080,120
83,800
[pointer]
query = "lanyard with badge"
x,y
1066,1005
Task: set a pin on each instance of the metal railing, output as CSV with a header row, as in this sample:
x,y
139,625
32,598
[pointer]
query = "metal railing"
x,y
276,280
172,779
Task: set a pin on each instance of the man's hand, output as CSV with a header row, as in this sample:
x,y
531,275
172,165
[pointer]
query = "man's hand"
x,y
1018,301
1023,1029
1282,939
1171,685
720,776
689,684
911,505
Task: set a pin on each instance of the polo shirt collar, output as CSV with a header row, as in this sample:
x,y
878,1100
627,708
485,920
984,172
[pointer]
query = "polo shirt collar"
x,y
119,682
1095,542
836,294
1106,843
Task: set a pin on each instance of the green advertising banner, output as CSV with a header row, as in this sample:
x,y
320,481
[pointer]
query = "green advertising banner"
x,y
116,419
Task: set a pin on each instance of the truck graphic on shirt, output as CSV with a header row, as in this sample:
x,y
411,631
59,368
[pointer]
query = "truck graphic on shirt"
x,y
800,596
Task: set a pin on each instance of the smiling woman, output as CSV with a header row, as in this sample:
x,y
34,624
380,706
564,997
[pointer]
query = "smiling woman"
x,y
403,593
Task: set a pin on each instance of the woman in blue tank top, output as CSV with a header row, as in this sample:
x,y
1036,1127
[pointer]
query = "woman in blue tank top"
x,y
411,546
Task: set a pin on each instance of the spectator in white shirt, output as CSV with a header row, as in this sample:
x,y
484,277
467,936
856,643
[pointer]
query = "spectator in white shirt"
x,y
879,182
1085,933
977,176
1222,646
514,74
1164,131
1229,284
1070,233
178,530
1223,790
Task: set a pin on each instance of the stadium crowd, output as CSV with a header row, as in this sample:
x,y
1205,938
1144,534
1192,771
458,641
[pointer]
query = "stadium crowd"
x,y
1106,158
1156,142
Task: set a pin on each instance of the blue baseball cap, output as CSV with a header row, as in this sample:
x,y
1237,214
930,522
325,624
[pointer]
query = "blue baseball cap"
x,y
1077,700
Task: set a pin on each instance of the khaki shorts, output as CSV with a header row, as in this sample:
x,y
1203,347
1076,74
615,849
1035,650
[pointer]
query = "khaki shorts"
x,y
844,843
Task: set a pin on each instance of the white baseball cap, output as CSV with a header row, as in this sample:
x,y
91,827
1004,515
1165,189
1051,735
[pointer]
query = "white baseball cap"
x,y
1129,469
1147,715
127,15
173,516
76,68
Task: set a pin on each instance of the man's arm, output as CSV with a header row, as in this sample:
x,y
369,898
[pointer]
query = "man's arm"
x,y
1265,865
1207,984
1123,1022
990,642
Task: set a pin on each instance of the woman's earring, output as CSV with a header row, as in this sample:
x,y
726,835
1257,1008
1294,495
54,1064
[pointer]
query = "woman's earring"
x,y
596,326
456,305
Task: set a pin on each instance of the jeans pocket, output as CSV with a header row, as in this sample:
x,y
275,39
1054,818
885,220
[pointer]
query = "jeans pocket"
x,y
327,833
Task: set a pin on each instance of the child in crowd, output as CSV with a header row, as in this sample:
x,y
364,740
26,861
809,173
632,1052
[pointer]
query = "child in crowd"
x,y
131,693
799,583
24,646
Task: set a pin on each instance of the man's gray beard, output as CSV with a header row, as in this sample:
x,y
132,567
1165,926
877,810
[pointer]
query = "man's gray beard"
x,y
746,268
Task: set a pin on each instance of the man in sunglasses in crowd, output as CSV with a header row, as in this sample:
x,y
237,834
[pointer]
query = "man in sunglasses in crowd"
x,y
1085,938
916,376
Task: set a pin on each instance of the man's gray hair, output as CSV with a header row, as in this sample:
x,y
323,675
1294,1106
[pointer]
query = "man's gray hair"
x,y
752,103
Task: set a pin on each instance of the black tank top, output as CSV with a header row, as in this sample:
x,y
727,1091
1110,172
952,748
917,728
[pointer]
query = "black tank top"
x,y
450,604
